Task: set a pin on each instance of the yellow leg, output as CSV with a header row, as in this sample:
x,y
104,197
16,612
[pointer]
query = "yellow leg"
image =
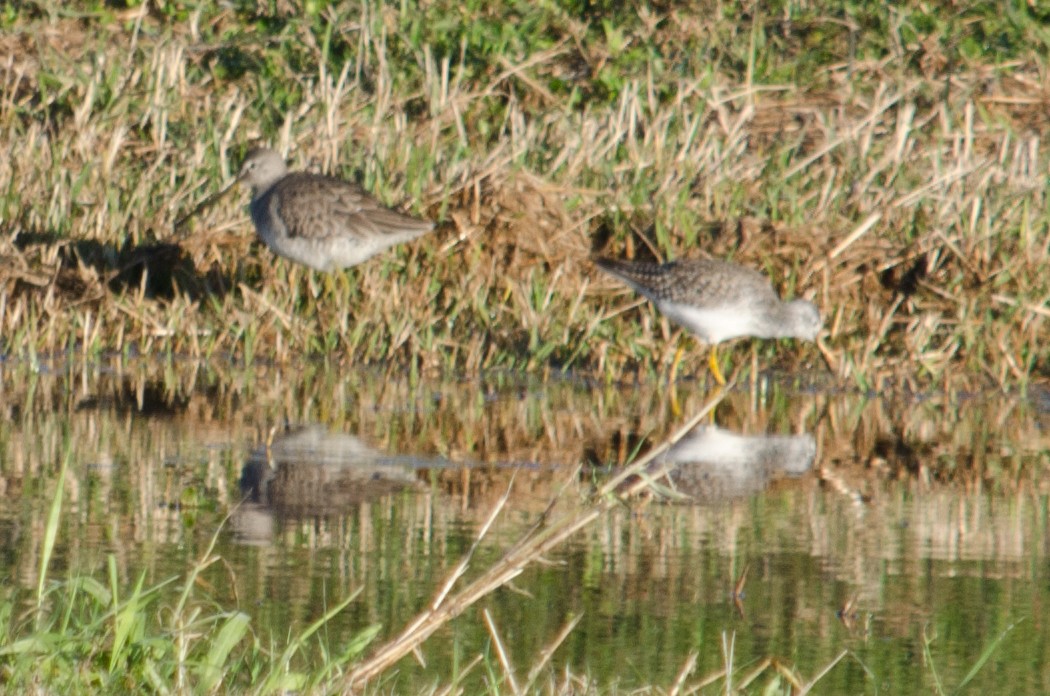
x,y
715,371
676,410
674,364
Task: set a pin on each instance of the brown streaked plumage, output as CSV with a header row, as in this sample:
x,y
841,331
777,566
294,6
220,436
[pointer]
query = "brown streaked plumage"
x,y
717,300
320,221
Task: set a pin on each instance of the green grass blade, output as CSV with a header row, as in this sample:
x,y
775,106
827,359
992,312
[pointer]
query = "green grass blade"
x,y
985,655
127,619
231,633
51,532
927,656
361,641
277,679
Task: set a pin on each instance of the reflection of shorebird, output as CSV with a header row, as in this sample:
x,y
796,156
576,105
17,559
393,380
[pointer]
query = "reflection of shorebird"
x,y
309,471
717,300
711,463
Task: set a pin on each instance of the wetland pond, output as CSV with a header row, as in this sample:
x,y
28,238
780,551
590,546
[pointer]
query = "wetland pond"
x,y
896,543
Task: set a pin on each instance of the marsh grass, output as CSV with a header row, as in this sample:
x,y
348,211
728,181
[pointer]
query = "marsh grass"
x,y
87,634
855,154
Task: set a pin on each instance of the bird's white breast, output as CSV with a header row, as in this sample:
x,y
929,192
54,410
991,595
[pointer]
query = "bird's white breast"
x,y
710,324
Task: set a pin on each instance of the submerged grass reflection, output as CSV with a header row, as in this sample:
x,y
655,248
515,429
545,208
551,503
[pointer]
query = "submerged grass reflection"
x,y
911,514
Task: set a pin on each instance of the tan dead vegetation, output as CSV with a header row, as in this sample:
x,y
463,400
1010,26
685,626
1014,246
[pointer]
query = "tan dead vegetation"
x,y
913,222
911,215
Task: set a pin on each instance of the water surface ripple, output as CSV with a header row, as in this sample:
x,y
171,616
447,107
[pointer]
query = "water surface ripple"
x,y
799,524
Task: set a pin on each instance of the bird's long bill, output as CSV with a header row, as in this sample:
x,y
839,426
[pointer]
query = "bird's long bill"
x,y
207,202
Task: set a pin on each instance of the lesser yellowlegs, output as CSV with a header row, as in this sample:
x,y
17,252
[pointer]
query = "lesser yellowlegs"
x,y
320,221
717,300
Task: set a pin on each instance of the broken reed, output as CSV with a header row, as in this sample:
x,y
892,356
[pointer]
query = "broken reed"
x,y
912,214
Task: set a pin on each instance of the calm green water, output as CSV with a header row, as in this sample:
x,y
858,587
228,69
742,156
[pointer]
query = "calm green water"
x,y
865,526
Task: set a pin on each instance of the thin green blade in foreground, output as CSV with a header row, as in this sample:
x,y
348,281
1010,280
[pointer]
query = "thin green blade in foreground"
x,y
51,533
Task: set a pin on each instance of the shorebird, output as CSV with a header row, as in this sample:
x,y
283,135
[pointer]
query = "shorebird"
x,y
717,300
320,221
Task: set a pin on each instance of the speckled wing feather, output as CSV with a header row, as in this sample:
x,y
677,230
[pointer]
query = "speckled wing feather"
x,y
696,282
313,206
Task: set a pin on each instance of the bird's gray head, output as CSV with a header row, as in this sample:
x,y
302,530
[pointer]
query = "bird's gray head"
x,y
262,169
807,323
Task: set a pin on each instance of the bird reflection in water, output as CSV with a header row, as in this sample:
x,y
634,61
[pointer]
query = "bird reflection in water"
x,y
711,463
309,471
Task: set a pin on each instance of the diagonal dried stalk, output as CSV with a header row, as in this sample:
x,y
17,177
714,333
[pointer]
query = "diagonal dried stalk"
x,y
543,537
687,668
501,652
548,652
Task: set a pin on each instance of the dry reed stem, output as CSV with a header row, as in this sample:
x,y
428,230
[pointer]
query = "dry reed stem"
x,y
548,652
545,536
806,688
501,653
687,668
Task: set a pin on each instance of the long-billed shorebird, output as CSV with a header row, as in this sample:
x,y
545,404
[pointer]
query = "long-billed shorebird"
x,y
316,220
320,221
717,300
